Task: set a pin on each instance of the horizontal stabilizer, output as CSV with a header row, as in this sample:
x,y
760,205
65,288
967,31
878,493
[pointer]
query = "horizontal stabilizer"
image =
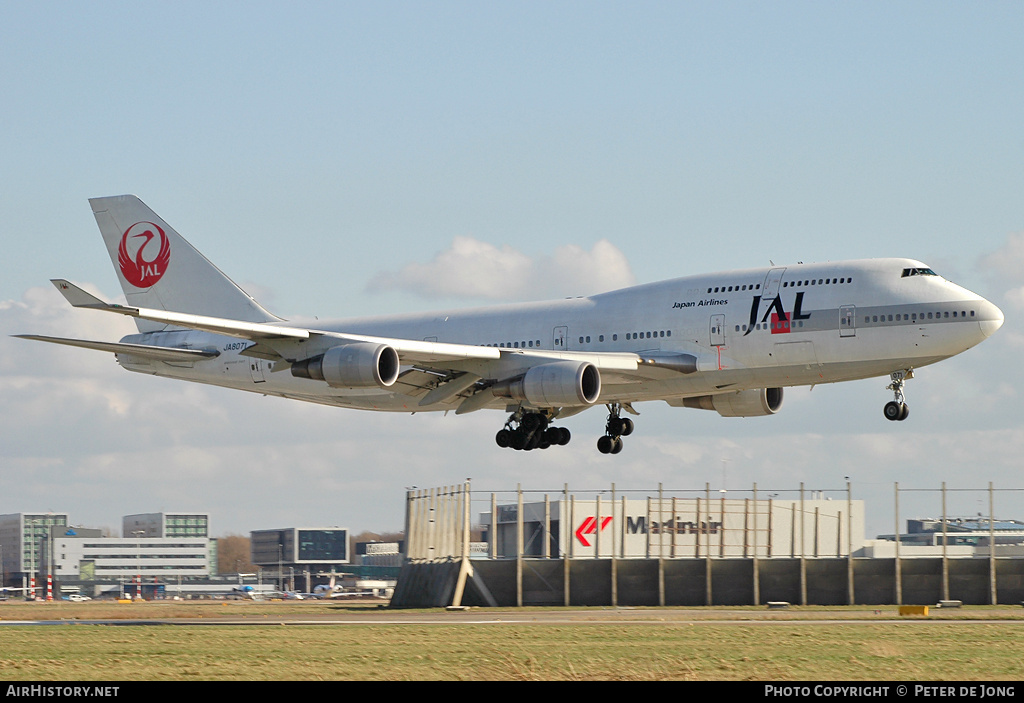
x,y
76,296
149,352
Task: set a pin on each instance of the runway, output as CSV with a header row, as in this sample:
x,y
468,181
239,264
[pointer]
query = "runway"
x,y
553,616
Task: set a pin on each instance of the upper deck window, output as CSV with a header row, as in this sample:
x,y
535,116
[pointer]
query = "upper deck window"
x,y
918,272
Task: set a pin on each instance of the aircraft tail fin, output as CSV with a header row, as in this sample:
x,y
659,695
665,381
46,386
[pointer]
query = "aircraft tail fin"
x,y
159,269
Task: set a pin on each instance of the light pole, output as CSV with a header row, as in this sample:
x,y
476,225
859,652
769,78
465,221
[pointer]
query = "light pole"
x,y
32,556
138,562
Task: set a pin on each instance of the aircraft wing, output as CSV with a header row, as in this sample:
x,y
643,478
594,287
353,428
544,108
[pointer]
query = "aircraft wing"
x,y
411,351
444,369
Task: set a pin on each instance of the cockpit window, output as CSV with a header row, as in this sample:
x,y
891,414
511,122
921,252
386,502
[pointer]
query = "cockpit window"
x,y
918,272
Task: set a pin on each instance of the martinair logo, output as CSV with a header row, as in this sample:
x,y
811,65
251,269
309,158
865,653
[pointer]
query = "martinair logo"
x,y
138,270
589,527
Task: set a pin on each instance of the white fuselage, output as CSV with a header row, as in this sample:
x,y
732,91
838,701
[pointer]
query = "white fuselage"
x,y
750,329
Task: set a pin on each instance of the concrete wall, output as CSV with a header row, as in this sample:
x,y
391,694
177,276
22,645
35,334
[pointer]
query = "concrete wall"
x,y
685,582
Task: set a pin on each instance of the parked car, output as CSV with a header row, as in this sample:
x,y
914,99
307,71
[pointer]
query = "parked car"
x,y
78,598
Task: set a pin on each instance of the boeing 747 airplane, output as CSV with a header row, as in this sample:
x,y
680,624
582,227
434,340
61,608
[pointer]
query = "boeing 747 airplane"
x,y
728,342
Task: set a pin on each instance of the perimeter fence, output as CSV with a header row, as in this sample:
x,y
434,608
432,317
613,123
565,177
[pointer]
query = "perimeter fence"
x,y
707,546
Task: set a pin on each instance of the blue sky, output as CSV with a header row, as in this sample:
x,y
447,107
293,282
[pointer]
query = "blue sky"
x,y
324,155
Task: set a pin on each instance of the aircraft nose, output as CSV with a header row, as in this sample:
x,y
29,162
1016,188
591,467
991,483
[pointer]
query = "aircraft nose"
x,y
991,319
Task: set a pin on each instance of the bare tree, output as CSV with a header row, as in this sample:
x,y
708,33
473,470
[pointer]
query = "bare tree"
x,y
233,555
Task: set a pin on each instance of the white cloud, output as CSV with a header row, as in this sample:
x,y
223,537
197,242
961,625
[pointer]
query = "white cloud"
x,y
1015,297
471,268
1007,262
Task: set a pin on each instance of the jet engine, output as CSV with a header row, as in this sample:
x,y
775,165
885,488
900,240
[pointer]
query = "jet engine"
x,y
557,384
357,365
753,403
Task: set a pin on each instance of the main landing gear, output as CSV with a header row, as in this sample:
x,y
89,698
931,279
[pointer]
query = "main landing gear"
x,y
897,409
531,430
615,429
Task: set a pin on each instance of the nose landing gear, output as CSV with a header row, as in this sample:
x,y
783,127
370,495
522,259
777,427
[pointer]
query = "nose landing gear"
x,y
897,409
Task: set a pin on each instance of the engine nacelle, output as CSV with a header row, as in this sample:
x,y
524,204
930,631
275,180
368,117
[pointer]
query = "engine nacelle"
x,y
357,365
764,401
557,384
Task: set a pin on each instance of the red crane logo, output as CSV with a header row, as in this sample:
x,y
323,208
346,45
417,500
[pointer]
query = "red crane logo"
x,y
139,271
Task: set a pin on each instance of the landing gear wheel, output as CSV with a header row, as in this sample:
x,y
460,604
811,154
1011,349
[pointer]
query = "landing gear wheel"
x,y
517,441
897,409
564,435
627,427
503,438
614,426
604,445
616,445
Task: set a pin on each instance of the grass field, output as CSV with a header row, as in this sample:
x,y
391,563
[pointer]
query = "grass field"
x,y
654,644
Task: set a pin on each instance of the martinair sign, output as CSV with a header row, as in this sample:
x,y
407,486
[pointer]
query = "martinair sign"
x,y
684,527
638,526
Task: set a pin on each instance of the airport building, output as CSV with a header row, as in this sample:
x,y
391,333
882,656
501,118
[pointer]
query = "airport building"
x,y
23,539
149,559
166,525
157,548
300,547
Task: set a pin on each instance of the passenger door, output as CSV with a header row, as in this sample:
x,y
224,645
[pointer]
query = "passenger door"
x,y
848,321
